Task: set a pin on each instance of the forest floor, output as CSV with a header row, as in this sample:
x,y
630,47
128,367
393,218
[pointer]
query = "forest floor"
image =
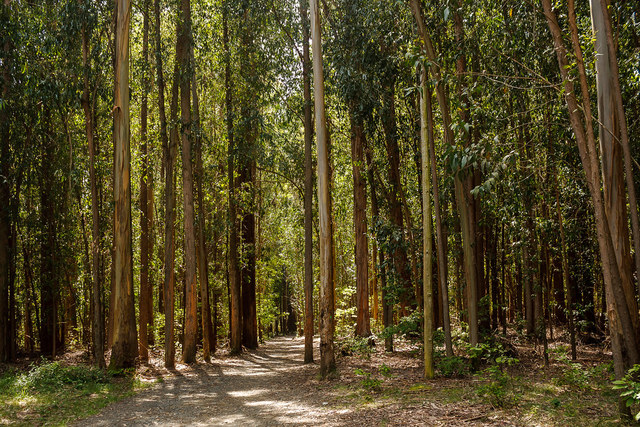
x,y
271,386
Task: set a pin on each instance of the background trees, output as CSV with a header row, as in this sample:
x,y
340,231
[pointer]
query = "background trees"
x,y
525,237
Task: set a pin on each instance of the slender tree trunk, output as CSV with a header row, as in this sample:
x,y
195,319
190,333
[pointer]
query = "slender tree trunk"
x,y
203,262
308,186
235,313
191,295
125,343
145,301
623,335
97,324
327,326
441,242
5,194
427,221
363,328
614,147
464,203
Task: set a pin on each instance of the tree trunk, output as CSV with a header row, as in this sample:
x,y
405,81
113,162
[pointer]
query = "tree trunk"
x,y
235,313
191,296
363,328
125,344
327,308
308,186
440,232
427,221
145,298
623,333
97,324
203,262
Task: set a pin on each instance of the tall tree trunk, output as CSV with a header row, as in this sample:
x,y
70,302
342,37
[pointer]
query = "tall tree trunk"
x,y
145,301
463,198
203,262
308,186
169,154
614,151
440,231
427,225
125,343
400,259
97,324
191,296
623,333
363,328
327,308
235,313
5,194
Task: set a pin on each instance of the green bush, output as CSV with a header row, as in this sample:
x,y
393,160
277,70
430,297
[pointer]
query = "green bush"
x,y
356,346
52,375
408,326
629,388
452,367
573,374
367,382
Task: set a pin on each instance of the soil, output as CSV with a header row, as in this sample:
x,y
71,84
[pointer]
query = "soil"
x,y
266,387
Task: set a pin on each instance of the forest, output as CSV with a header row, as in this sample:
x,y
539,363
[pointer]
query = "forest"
x,y
426,203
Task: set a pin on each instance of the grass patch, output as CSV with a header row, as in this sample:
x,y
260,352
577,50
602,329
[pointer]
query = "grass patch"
x,y
50,393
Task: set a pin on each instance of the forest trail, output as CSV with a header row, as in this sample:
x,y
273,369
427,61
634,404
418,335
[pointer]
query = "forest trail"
x,y
259,388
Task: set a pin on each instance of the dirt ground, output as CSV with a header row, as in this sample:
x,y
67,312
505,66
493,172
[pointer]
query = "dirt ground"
x,y
271,386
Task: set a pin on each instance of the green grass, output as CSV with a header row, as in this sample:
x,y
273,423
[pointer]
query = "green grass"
x,y
53,394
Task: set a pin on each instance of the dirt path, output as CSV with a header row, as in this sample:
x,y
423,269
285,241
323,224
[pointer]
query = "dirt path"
x,y
270,386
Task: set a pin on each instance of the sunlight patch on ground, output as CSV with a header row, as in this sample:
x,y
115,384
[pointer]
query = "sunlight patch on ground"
x,y
247,393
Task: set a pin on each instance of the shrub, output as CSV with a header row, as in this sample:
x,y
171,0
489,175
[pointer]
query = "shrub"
x,y
367,382
629,388
452,367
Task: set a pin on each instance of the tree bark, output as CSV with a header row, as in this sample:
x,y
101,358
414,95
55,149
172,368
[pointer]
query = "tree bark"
x,y
308,186
442,239
145,298
125,343
363,328
191,296
235,313
427,224
97,324
327,326
203,262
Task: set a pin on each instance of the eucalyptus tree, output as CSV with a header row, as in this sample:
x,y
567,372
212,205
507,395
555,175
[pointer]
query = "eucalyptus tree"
x,y
125,346
327,308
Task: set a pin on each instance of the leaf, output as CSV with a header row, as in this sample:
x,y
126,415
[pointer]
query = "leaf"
x,y
446,14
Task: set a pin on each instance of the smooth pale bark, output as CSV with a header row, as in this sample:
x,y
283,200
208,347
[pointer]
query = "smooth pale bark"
x,y
97,324
363,328
427,249
145,302
613,154
235,313
624,134
327,325
125,344
191,295
464,203
441,241
624,345
203,262
308,186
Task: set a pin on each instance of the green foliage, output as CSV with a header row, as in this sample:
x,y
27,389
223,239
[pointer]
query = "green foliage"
x,y
53,375
629,388
499,388
490,353
368,382
573,373
452,367
385,370
408,326
359,346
